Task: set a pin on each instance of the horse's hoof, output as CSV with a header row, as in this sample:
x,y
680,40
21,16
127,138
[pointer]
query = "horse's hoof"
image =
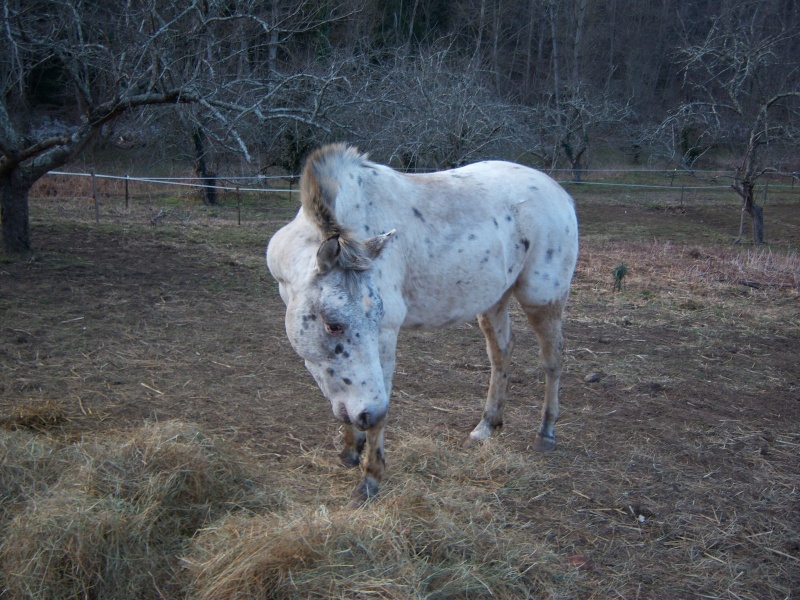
x,y
544,444
470,442
350,459
366,491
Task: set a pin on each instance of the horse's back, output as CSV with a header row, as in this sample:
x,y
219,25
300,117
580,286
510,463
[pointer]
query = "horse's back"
x,y
476,232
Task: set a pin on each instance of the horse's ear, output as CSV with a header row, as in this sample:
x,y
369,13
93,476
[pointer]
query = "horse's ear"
x,y
375,245
328,254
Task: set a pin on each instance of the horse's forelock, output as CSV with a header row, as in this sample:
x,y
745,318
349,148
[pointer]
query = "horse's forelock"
x,y
354,254
319,186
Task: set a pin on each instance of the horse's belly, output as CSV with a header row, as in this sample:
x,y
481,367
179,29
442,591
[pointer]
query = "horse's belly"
x,y
451,296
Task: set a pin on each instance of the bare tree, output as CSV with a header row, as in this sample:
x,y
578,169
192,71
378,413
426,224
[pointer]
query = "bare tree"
x,y
73,67
431,109
744,79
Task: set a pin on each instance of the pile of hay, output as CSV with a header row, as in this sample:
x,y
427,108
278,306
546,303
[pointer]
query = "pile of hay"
x,y
435,532
166,511
108,518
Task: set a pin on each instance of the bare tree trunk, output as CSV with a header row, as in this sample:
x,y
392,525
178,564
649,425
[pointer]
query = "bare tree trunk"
x,y
529,50
496,46
758,224
754,211
556,78
580,22
209,178
481,25
745,185
14,190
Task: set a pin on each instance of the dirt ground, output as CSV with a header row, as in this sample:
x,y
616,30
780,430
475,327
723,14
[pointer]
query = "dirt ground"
x,y
680,402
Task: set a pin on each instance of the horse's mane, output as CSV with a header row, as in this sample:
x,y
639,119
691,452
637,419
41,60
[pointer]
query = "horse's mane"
x,y
319,186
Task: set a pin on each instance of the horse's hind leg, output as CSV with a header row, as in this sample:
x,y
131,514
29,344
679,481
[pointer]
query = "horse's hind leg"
x,y
546,324
496,327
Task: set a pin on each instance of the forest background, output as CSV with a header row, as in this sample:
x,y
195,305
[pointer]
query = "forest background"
x,y
246,86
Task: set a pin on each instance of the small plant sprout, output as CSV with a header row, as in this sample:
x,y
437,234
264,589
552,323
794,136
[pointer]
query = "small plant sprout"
x,y
619,273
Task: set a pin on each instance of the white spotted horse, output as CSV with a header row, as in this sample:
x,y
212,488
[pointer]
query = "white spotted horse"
x,y
373,250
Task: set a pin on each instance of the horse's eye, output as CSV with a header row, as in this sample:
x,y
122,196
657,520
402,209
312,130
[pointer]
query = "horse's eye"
x,y
334,328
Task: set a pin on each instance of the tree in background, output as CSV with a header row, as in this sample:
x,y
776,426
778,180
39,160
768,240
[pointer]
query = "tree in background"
x,y
71,68
743,79
418,83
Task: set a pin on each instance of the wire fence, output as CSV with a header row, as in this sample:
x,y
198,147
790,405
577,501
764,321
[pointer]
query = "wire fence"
x,y
694,179
265,193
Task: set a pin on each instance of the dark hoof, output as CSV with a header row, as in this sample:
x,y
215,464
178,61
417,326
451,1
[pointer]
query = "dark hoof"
x,y
544,444
350,459
366,491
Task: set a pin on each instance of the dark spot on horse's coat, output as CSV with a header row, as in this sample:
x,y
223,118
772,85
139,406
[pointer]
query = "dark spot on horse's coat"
x,y
360,180
495,222
526,243
346,354
549,255
331,372
508,218
484,260
533,188
418,215
471,236
366,228
510,269
358,207
556,283
338,349
346,381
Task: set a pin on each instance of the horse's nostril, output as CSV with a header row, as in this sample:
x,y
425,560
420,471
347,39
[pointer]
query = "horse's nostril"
x,y
364,420
368,419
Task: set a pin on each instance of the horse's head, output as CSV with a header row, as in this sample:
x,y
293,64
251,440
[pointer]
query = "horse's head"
x,y
333,316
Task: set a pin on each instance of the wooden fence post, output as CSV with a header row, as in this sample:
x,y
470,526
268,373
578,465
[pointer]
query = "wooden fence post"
x,y
94,195
127,194
238,205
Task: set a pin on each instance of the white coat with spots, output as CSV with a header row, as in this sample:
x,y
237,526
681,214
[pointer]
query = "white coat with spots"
x,y
372,251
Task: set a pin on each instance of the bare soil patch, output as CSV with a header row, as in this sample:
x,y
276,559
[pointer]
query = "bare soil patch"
x,y
677,472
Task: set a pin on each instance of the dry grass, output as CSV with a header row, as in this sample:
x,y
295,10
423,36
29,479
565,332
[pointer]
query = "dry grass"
x,y
435,533
107,517
112,516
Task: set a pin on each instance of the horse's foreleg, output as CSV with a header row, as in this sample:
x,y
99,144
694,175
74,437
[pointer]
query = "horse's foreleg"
x,y
546,323
373,467
496,327
354,441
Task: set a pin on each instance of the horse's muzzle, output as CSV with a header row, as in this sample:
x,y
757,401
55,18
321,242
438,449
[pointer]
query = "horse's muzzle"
x,y
369,419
